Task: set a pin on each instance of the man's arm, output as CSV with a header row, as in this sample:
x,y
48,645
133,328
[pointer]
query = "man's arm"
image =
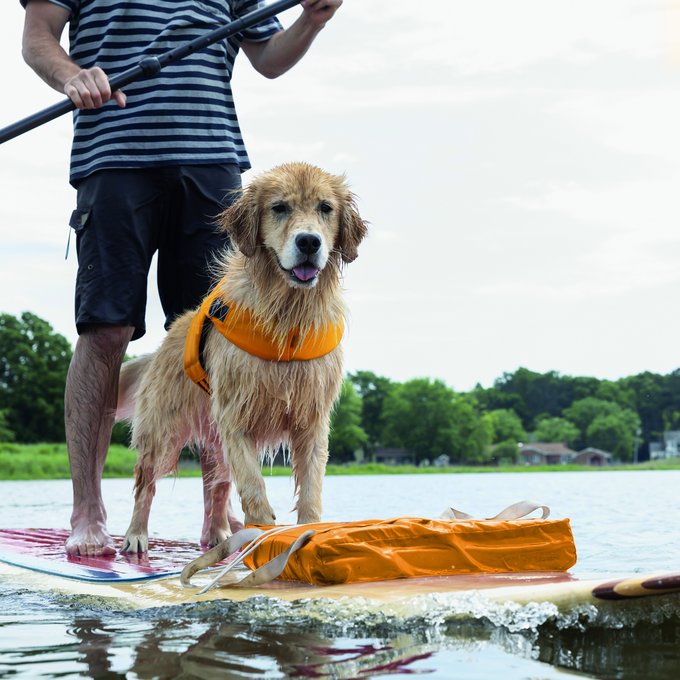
x,y
43,26
283,50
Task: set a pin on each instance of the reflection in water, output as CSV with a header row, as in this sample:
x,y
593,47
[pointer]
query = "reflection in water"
x,y
294,654
644,650
65,636
172,649
161,645
93,647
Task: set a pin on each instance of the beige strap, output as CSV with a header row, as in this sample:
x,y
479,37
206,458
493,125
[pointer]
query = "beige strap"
x,y
518,510
220,552
272,569
251,538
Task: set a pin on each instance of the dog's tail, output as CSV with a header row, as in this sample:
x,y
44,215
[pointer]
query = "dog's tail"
x,y
131,373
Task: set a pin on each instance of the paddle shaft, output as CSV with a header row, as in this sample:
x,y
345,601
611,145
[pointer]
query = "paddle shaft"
x,y
150,66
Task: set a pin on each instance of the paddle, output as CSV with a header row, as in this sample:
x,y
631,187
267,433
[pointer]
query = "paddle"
x,y
150,66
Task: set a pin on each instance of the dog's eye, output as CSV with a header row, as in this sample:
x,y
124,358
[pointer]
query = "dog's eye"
x,y
325,207
281,208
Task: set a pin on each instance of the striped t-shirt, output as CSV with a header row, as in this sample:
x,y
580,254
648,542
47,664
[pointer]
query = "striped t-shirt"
x,y
183,115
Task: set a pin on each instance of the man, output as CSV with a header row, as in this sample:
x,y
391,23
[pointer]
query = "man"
x,y
151,174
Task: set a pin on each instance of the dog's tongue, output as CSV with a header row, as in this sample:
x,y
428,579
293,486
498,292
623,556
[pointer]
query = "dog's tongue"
x,y
305,272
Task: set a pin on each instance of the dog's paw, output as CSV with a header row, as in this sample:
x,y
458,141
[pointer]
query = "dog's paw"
x,y
135,543
215,536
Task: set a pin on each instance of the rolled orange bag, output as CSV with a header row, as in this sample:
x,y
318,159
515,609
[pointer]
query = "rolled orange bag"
x,y
410,547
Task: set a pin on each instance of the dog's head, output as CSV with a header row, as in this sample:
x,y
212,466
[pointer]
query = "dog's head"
x,y
304,217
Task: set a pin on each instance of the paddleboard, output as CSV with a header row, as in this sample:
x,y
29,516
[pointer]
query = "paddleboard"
x,y
42,550
37,558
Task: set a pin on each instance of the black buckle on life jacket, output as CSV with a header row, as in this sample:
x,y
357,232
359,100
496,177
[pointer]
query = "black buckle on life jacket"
x,y
218,310
205,386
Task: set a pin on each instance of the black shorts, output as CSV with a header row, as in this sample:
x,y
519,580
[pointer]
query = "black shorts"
x,y
124,216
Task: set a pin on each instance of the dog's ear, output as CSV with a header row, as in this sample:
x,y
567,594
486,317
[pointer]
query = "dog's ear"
x,y
240,220
352,230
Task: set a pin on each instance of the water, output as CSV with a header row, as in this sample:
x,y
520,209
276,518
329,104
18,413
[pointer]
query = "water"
x,y
623,522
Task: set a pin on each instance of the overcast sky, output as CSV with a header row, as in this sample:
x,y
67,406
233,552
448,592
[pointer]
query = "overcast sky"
x,y
518,162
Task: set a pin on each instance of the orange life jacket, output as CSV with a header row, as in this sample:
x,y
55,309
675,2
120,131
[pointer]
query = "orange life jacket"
x,y
239,326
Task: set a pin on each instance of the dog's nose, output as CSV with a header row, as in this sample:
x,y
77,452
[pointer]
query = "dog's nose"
x,y
308,243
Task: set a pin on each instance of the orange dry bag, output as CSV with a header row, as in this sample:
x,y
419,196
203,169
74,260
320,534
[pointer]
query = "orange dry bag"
x,y
409,547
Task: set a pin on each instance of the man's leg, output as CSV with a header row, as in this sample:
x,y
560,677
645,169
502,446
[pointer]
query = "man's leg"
x,y
90,405
188,247
115,224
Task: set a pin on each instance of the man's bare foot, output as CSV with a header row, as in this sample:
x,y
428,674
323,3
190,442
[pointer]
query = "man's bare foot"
x,y
89,539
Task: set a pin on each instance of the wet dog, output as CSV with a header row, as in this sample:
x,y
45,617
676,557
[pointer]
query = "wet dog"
x,y
272,384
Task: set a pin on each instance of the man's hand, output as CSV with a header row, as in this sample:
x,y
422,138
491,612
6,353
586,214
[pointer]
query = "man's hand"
x,y
284,49
90,89
43,26
319,12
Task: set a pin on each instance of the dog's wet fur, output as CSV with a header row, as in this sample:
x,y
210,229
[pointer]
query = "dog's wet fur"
x,y
292,228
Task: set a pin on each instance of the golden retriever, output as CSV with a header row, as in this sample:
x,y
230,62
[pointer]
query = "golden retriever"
x,y
292,227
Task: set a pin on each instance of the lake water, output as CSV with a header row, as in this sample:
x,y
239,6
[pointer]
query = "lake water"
x,y
623,522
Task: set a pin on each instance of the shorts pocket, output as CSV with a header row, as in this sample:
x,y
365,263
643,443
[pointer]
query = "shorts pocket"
x,y
79,218
86,247
77,222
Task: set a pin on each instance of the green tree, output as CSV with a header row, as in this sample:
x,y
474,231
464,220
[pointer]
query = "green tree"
x,y
652,398
6,435
347,435
472,433
542,393
671,402
552,429
418,415
671,419
532,395
584,411
580,387
505,452
616,392
430,419
493,398
33,365
612,433
505,425
373,390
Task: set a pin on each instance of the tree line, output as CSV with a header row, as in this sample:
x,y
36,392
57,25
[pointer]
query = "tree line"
x,y
423,415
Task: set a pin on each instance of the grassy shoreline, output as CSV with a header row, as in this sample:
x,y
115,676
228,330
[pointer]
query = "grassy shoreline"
x,y
50,461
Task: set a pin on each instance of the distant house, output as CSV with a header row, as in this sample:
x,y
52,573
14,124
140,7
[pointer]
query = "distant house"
x,y
546,453
591,456
668,448
656,450
394,456
556,453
